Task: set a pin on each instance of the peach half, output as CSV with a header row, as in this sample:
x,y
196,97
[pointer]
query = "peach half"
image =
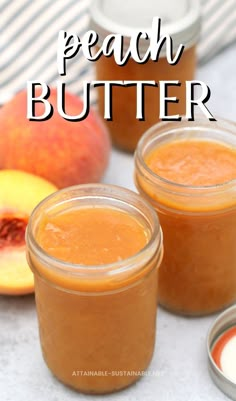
x,y
20,192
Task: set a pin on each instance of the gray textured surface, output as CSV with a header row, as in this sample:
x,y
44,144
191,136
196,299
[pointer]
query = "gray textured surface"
x,y
180,355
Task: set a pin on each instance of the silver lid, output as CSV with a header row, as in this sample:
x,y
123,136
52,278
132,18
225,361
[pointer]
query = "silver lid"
x,y
226,320
179,19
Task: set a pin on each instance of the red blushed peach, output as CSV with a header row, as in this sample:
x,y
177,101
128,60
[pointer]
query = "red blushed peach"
x,y
63,152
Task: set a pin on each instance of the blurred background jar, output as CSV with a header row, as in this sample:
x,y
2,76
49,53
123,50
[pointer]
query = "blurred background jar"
x,y
180,20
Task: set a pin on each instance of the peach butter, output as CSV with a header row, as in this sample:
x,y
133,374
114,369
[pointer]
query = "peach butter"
x,y
188,172
95,252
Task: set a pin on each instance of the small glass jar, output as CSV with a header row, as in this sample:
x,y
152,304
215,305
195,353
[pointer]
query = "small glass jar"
x,y
180,20
198,272
96,323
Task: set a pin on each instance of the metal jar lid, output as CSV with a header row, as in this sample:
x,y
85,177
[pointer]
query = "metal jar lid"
x,y
180,19
224,322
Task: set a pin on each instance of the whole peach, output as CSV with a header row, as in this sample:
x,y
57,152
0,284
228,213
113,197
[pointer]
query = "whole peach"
x,y
63,152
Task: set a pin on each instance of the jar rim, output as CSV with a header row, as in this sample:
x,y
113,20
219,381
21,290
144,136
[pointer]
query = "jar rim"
x,y
195,189
225,321
185,30
112,269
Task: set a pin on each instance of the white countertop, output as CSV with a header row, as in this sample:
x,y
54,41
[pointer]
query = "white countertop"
x,y
180,356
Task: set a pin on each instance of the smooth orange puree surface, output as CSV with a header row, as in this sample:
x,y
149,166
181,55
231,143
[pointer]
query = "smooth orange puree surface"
x,y
193,162
92,236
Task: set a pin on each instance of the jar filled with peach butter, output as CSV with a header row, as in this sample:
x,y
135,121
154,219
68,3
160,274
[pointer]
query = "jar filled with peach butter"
x,y
95,251
179,19
187,171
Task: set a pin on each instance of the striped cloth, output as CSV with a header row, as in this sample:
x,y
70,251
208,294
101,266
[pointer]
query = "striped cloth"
x,y
29,30
28,43
218,28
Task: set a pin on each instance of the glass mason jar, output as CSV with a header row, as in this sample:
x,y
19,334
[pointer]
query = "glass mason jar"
x,y
96,323
198,272
180,20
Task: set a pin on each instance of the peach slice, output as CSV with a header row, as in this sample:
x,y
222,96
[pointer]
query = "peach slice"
x,y
20,192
